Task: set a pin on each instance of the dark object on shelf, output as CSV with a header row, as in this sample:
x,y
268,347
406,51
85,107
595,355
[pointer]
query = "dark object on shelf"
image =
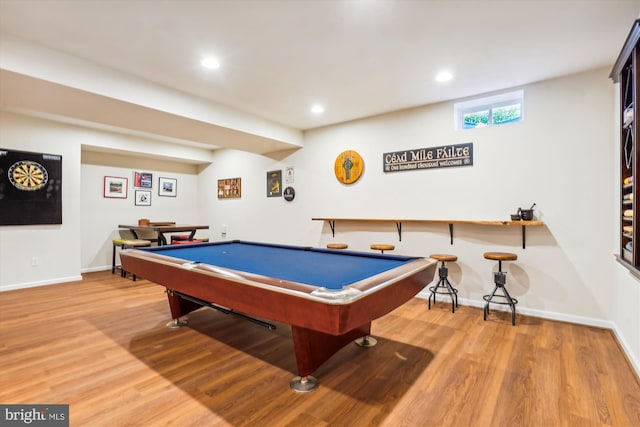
x,y
525,214
516,217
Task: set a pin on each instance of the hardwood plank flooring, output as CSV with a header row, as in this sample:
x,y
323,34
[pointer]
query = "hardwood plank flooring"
x,y
101,346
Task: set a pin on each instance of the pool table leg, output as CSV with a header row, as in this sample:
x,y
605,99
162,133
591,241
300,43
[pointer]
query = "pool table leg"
x,y
179,307
313,348
366,341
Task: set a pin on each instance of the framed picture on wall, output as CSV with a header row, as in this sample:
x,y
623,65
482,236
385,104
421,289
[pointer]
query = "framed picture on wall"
x,y
143,198
142,180
274,183
167,187
115,187
230,188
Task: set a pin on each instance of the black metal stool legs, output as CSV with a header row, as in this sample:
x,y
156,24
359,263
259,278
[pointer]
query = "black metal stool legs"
x,y
500,278
443,273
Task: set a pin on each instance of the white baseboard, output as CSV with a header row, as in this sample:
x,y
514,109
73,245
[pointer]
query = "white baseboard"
x,y
40,283
562,317
635,363
95,269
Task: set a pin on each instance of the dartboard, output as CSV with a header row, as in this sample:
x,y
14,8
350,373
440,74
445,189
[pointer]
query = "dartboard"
x,y
26,175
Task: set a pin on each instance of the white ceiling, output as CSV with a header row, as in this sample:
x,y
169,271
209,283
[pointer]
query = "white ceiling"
x,y
357,57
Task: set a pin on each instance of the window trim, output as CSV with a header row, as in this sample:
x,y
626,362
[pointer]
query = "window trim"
x,y
487,103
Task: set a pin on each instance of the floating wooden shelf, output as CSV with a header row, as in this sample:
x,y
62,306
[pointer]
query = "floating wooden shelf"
x,y
450,222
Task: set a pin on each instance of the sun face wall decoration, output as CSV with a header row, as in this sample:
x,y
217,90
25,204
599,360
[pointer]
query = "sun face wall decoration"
x,y
348,167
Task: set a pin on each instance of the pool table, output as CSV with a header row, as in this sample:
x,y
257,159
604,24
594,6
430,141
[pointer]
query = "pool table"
x,y
329,297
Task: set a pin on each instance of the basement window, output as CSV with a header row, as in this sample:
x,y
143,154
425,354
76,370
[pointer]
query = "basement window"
x,y
489,111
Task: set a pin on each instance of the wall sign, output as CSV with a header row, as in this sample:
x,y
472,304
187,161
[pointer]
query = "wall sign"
x,y
348,167
289,176
445,156
289,194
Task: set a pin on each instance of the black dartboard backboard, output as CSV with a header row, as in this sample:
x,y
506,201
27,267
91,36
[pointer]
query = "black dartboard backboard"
x,y
30,188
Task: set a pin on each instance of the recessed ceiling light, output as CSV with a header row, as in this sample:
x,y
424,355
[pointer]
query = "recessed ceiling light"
x,y
444,76
317,109
210,63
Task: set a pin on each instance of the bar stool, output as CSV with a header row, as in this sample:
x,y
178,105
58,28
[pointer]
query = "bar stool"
x,y
337,246
443,286
500,278
382,248
130,244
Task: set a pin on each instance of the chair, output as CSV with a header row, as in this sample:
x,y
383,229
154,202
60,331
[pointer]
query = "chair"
x,y
500,279
117,243
443,286
179,238
126,241
149,235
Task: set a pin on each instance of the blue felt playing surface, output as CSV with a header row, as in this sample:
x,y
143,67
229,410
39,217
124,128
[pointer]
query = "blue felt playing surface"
x,y
317,267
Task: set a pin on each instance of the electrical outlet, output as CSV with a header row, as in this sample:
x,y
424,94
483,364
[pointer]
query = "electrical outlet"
x,y
35,261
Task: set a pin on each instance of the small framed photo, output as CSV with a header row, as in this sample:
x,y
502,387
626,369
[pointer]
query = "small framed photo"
x,y
115,187
143,198
142,180
289,175
167,187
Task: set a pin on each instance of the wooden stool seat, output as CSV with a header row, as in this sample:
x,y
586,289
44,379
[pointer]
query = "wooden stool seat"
x,y
501,256
443,257
337,246
382,248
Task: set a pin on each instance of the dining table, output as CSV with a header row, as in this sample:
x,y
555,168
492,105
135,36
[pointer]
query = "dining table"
x,y
163,229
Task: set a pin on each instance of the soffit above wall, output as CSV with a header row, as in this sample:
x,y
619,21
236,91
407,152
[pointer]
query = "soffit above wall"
x,y
33,96
135,161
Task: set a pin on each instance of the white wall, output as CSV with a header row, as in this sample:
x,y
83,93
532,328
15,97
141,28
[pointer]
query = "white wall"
x,y
83,242
560,157
101,216
57,247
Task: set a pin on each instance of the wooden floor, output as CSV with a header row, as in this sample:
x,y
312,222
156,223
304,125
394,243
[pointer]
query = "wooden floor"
x,y
102,347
